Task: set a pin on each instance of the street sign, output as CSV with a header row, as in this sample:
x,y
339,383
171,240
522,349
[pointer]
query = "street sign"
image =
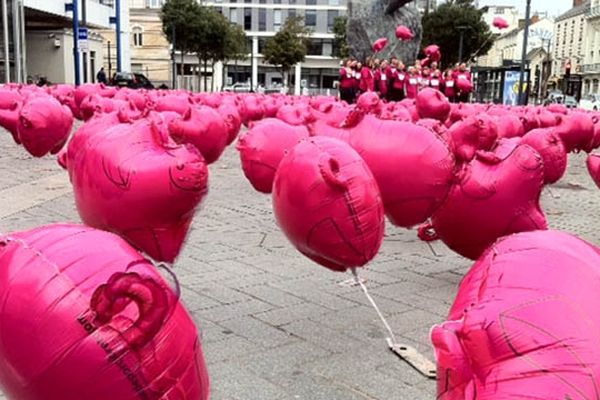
x,y
82,39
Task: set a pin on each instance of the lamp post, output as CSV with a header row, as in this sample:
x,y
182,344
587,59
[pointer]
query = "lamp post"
x,y
462,30
524,53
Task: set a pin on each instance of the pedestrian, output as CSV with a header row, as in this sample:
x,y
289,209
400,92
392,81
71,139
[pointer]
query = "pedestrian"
x,y
425,78
435,81
412,83
347,82
462,76
448,83
398,81
381,83
101,76
357,65
367,77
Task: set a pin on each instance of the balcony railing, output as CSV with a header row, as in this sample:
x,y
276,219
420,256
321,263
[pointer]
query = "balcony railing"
x,y
593,12
591,67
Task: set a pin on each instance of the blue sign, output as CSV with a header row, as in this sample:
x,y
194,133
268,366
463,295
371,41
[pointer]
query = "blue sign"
x,y
510,94
82,34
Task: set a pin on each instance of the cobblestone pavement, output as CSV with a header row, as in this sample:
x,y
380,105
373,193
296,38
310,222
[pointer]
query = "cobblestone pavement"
x,y
275,325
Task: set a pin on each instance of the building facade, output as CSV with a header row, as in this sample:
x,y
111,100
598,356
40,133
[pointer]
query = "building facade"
x,y
508,47
591,57
261,19
509,13
570,30
37,40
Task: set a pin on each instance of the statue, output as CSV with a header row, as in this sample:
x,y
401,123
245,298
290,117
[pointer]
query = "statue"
x,y
369,20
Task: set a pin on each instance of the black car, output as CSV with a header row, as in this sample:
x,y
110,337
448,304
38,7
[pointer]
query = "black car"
x,y
131,80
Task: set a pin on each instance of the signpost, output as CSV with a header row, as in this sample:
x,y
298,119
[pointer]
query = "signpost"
x,y
82,39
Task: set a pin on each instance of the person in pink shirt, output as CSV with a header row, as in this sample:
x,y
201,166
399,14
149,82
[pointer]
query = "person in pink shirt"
x,y
347,82
425,78
367,77
448,83
357,68
411,83
435,80
381,83
462,74
398,82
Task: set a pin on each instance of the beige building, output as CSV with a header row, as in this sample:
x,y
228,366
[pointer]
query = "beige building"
x,y
568,50
148,47
591,65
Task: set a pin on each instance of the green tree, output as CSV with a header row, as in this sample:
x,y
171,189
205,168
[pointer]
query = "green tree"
x,y
288,47
340,43
441,27
176,17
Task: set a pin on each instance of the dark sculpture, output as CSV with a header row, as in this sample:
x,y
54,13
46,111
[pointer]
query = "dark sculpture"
x,y
368,20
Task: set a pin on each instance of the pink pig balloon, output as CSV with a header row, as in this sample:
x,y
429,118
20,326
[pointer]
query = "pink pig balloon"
x,y
262,148
134,180
204,128
44,125
496,194
549,145
525,323
379,44
327,203
413,167
593,166
404,33
84,316
500,23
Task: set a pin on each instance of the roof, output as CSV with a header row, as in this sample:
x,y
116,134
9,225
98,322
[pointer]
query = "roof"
x,y
575,11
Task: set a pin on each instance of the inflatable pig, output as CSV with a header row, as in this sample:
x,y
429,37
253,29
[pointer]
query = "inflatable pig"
x,y
525,323
496,194
84,316
327,203
134,180
44,125
262,148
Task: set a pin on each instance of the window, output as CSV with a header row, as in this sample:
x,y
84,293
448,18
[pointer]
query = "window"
x,y
334,2
262,19
138,36
154,3
137,68
247,19
276,20
292,1
310,18
311,2
315,47
291,13
233,13
331,16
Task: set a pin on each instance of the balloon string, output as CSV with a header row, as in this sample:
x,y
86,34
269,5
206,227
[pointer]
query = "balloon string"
x,y
381,317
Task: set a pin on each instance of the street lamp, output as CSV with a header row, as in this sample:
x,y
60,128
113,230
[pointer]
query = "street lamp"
x,y
462,30
524,53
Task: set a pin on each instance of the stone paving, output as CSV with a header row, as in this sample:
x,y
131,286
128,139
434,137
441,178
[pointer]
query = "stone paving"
x,y
274,325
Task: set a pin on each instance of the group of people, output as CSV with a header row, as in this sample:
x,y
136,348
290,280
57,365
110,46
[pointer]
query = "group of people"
x,y
393,81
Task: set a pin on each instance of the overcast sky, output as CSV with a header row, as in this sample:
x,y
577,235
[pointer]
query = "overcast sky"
x,y
553,7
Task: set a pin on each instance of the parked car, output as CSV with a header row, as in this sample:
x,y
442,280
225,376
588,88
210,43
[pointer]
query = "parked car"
x,y
570,102
240,87
554,97
590,102
131,80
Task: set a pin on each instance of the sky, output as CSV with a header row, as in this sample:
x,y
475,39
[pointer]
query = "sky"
x,y
553,7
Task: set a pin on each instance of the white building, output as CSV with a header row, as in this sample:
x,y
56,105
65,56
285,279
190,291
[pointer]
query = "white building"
x,y
508,47
37,40
509,13
591,52
260,19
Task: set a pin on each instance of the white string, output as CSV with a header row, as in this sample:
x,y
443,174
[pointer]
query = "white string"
x,y
381,317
